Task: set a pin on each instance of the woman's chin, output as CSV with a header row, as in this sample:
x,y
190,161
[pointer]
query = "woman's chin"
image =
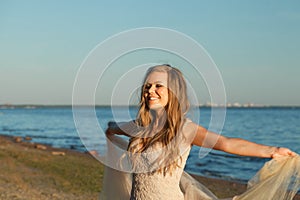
x,y
155,107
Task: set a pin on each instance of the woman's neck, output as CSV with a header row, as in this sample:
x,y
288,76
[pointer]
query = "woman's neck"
x,y
159,119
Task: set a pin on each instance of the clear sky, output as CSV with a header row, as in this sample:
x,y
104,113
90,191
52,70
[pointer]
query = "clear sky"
x,y
255,44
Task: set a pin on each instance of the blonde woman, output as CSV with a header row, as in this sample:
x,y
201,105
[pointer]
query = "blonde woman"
x,y
161,137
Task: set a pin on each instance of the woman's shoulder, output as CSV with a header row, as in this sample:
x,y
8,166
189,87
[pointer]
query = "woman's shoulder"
x,y
189,129
188,123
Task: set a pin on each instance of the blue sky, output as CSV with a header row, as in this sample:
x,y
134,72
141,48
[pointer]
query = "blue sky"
x,y
255,44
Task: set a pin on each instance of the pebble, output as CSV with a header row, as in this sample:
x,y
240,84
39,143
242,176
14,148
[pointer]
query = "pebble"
x,y
58,153
28,138
93,153
39,146
18,139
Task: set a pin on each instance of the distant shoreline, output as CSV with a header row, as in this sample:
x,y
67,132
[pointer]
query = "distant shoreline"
x,y
33,106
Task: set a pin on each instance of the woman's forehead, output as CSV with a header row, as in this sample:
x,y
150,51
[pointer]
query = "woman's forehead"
x,y
156,77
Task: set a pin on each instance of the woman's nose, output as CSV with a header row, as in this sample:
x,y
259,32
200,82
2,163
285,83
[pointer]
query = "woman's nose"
x,y
152,89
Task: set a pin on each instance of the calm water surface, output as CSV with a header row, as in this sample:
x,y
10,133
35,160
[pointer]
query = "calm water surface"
x,y
270,126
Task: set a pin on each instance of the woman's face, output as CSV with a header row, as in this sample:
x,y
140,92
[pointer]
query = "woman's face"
x,y
156,90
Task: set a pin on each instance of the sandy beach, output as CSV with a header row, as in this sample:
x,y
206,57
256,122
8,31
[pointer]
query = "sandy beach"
x,y
33,171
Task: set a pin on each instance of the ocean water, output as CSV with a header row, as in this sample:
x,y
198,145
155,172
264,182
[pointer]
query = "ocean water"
x,y
276,126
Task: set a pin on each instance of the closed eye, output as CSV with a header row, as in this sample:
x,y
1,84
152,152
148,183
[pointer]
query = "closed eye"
x,y
147,86
157,85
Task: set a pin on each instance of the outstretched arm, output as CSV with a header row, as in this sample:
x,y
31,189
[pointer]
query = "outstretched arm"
x,y
237,146
121,128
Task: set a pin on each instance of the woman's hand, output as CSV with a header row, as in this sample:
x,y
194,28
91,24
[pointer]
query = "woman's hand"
x,y
120,128
112,128
281,151
109,131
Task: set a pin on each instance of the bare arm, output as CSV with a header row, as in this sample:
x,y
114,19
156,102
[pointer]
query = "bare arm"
x,y
237,146
121,128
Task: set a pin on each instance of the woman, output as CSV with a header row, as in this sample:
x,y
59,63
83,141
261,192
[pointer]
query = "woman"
x,y
161,137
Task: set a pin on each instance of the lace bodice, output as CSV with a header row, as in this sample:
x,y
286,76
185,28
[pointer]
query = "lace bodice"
x,y
154,185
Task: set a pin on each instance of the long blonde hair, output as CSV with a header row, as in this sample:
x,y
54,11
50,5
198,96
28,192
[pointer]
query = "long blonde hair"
x,y
175,112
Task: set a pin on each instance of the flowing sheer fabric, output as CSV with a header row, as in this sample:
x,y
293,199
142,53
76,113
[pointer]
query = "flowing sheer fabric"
x,y
278,179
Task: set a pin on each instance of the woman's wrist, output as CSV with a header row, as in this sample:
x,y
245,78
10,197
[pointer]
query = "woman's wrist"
x,y
274,150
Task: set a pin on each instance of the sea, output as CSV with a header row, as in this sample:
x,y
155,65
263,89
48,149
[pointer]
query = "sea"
x,y
55,126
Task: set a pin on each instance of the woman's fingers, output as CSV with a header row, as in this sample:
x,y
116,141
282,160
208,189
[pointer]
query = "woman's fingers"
x,y
282,151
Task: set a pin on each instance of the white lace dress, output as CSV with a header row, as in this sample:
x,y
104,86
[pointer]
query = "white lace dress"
x,y
155,186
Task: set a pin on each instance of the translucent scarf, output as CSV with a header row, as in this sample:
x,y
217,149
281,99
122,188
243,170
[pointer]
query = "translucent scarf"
x,y
278,179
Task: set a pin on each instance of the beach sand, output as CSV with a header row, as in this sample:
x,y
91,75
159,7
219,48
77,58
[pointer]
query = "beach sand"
x,y
30,171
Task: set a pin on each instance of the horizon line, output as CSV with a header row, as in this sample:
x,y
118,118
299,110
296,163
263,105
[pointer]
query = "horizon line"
x,y
134,105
